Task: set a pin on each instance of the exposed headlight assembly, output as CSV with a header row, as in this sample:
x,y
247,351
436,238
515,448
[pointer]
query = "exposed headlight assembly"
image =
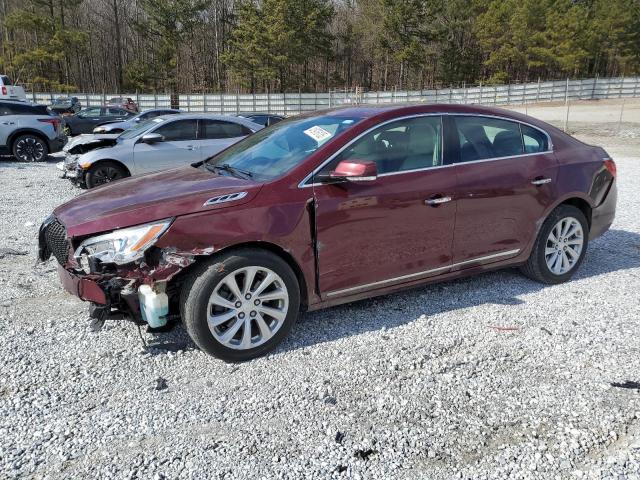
x,y
121,246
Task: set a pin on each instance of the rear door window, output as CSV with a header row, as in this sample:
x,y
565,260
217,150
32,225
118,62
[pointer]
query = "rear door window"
x,y
214,129
92,112
115,112
535,141
24,109
180,130
483,138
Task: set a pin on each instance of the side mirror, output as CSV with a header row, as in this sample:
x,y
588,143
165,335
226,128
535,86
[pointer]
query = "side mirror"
x,y
355,171
152,138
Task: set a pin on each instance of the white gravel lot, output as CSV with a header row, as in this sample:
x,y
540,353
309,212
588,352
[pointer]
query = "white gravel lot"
x,y
415,385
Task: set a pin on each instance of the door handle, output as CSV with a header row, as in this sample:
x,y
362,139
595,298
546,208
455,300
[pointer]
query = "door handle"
x,y
190,147
540,181
8,123
434,202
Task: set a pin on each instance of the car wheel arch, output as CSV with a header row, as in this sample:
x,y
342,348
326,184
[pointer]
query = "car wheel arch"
x,y
26,131
111,160
577,199
265,246
582,205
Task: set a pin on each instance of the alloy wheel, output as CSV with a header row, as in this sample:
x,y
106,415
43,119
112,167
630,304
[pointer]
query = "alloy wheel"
x,y
106,174
564,246
247,307
29,149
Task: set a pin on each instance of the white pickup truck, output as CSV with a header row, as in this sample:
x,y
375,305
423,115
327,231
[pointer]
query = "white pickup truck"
x,y
9,91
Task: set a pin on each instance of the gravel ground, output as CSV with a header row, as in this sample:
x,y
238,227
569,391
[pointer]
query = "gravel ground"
x,y
489,377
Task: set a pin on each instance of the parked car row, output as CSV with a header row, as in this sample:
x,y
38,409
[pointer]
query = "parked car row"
x,y
319,210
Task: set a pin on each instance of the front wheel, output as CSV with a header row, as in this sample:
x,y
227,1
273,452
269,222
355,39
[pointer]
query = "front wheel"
x,y
560,246
104,172
30,148
241,305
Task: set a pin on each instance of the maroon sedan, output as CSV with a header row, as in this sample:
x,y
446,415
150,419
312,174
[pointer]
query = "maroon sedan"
x,y
123,102
329,208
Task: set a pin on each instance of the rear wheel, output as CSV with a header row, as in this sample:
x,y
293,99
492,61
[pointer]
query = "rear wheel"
x,y
560,247
240,305
30,148
104,172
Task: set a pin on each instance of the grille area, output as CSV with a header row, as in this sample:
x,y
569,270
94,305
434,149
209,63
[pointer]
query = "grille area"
x,y
55,237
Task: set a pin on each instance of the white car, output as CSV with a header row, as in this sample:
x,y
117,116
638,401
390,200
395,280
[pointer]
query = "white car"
x,y
8,91
158,144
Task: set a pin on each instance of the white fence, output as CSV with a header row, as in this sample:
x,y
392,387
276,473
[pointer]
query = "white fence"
x,y
295,103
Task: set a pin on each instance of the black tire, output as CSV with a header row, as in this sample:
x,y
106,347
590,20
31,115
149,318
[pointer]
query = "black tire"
x,y
200,285
30,148
536,267
104,172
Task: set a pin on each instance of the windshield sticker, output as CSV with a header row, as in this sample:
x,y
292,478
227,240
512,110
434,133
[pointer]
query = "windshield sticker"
x,y
319,134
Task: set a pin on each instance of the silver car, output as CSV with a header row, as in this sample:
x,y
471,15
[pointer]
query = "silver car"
x,y
29,132
158,144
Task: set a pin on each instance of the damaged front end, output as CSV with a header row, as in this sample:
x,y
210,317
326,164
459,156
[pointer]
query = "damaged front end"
x,y
121,273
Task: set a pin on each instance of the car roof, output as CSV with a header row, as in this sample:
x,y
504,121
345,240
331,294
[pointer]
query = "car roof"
x,y
209,116
391,111
251,114
160,109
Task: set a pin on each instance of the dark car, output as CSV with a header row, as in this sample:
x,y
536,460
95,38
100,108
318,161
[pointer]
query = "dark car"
x,y
66,105
119,127
266,119
332,207
123,102
86,120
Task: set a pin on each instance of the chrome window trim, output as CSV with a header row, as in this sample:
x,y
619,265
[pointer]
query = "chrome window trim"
x,y
303,183
419,274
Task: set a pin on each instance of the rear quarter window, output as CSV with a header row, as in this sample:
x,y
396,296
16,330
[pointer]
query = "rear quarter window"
x,y
534,140
23,109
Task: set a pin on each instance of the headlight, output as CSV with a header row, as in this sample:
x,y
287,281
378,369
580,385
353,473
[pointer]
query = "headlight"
x,y
122,246
99,130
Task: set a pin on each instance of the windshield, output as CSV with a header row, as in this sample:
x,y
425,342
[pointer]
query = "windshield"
x,y
140,128
274,151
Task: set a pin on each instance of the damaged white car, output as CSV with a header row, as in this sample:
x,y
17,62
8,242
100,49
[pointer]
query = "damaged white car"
x,y
159,144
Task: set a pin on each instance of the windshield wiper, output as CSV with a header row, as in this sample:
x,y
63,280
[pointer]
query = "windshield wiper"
x,y
228,168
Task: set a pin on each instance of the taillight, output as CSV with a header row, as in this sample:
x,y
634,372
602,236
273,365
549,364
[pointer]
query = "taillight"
x,y
53,121
611,166
4,90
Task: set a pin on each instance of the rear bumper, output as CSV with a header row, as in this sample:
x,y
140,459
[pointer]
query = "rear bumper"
x,y
57,143
603,215
82,288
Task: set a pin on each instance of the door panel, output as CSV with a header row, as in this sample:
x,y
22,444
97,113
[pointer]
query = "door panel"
x,y
372,232
165,155
179,148
216,135
210,147
498,206
383,232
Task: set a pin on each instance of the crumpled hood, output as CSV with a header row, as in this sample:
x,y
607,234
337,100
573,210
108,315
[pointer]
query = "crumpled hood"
x,y
146,198
88,139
